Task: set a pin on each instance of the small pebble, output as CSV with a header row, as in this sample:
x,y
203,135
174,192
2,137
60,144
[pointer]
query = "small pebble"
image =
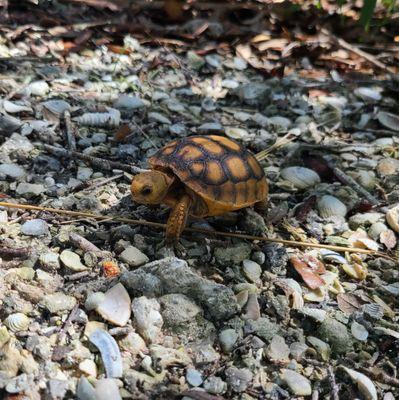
x,y
297,384
194,377
227,339
156,117
35,227
214,385
133,256
238,378
58,302
12,170
29,189
252,270
72,261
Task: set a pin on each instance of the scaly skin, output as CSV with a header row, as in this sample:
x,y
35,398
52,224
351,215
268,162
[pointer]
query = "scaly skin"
x,y
177,219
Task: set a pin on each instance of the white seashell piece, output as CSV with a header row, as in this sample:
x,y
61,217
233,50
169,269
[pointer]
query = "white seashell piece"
x,y
14,108
368,94
365,385
300,177
110,119
110,353
330,206
392,217
17,322
116,305
390,121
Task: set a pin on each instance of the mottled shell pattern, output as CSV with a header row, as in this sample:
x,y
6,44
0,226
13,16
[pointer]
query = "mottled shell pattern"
x,y
217,168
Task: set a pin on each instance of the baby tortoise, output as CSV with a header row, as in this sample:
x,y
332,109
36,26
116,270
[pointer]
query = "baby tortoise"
x,y
201,176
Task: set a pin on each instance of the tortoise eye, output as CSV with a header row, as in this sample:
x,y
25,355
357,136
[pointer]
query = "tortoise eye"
x,y
146,191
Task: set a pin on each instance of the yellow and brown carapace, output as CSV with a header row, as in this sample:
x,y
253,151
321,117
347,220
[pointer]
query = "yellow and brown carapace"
x,y
201,176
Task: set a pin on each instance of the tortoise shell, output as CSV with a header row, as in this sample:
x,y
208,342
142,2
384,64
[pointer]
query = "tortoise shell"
x,y
218,169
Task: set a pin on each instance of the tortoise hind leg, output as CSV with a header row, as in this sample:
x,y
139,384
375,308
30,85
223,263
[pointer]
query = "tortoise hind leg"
x,y
177,219
261,207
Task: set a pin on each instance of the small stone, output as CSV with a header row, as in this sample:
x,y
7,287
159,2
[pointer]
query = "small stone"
x,y
236,133
336,335
278,349
157,117
178,309
18,384
49,261
297,384
177,129
322,347
195,61
215,385
37,88
4,336
57,388
35,227
238,378
229,84
133,256
84,173
227,339
262,327
72,261
29,189
232,255
254,94
13,171
128,102
148,318
206,354
213,60
194,377
98,138
240,64
58,302
276,258
252,270
280,123
364,219
298,350
210,127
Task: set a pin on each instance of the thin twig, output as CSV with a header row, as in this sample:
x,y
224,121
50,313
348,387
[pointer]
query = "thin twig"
x,y
97,162
333,384
354,49
68,322
196,230
15,253
70,131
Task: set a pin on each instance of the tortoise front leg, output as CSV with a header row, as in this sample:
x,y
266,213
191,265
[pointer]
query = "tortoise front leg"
x,y
177,219
261,207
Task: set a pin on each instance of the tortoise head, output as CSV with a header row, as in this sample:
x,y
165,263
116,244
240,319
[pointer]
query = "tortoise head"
x,y
150,187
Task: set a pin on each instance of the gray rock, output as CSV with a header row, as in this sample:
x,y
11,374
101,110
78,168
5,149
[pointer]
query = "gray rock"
x,y
227,339
278,349
276,258
364,219
98,138
205,354
262,327
19,384
213,60
238,378
9,124
252,270
336,335
183,318
148,319
172,275
12,170
29,189
229,84
194,377
253,223
84,173
57,388
177,129
133,256
157,117
298,350
58,302
128,102
297,384
210,127
232,255
35,227
72,261
254,94
240,64
49,261
215,385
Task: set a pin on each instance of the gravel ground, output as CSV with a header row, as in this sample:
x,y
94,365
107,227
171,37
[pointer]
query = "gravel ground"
x,y
101,310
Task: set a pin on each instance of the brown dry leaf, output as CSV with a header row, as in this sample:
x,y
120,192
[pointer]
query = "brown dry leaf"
x,y
388,239
244,51
274,44
312,279
348,303
314,263
122,133
262,37
118,49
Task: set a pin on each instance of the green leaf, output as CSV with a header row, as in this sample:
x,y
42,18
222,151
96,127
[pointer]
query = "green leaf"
x,y
367,12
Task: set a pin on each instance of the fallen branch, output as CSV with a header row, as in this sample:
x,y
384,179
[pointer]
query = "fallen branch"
x,y
196,230
97,162
354,49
